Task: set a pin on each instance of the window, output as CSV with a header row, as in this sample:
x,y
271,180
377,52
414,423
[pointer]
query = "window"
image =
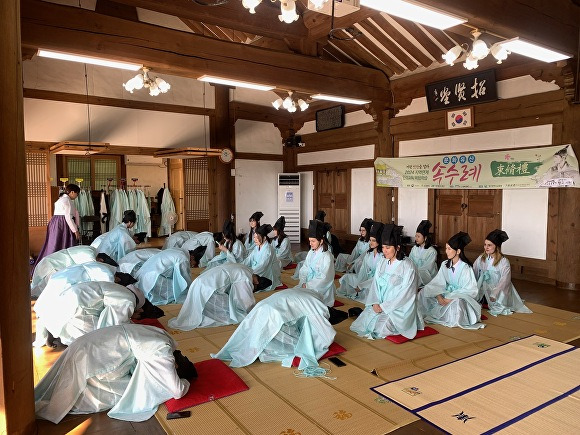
x,y
196,189
37,188
95,170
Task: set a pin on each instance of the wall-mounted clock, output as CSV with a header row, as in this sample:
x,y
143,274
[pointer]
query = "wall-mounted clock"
x,y
227,155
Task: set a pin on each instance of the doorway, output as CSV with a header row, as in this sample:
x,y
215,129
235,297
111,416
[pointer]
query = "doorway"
x,y
333,196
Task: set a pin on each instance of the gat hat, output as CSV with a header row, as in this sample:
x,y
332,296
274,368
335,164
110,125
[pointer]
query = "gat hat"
x,y
391,235
197,253
256,216
104,258
125,279
141,236
320,215
497,237
459,241
280,223
185,368
318,229
423,227
228,227
366,224
264,230
263,283
377,230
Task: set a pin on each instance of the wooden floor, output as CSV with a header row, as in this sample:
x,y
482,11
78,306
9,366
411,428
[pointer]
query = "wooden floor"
x,y
101,424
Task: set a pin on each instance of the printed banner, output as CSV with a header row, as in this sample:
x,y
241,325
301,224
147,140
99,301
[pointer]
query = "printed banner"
x,y
553,166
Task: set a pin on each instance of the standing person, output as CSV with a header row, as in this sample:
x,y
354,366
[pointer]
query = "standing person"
x,y
254,223
231,249
352,262
356,285
62,232
494,278
450,298
391,306
281,242
262,260
423,254
118,242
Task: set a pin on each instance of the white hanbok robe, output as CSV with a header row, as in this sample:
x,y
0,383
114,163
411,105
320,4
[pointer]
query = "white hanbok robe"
x,y
222,295
165,277
355,258
117,243
460,286
426,262
177,239
299,257
318,275
57,261
394,289
129,368
495,282
236,255
82,308
133,261
289,323
362,280
283,252
202,239
263,262
98,240
167,206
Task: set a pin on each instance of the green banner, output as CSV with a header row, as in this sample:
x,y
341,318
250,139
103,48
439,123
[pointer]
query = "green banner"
x,y
553,166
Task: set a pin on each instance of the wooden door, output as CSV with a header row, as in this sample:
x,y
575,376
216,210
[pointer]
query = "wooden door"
x,y
333,196
176,187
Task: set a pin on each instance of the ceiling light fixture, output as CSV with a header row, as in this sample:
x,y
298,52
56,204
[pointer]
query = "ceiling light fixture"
x,y
287,9
72,148
529,49
156,85
89,59
236,83
290,103
339,99
409,10
187,153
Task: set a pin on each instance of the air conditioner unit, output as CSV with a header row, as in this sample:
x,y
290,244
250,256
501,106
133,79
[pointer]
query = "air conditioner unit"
x,y
289,204
143,160
341,7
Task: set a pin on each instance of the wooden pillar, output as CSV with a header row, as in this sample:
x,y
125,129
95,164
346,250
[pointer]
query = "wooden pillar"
x,y
16,392
383,208
567,270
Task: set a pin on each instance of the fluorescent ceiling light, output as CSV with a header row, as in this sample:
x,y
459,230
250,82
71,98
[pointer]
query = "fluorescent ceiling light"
x,y
516,45
339,99
415,12
223,81
89,59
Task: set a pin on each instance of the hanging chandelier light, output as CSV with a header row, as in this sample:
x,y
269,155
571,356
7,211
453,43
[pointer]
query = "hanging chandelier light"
x,y
290,103
287,9
156,85
479,50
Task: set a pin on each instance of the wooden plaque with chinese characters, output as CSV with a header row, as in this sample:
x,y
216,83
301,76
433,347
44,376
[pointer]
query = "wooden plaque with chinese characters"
x,y
476,88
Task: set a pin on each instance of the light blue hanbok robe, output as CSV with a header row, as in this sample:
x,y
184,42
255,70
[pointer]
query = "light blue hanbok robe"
x,y
263,262
460,286
57,261
289,323
355,258
317,274
394,289
362,280
81,308
177,239
426,262
167,206
202,239
77,273
283,252
143,224
236,255
222,295
98,240
249,244
117,243
133,261
129,368
299,257
165,277
495,282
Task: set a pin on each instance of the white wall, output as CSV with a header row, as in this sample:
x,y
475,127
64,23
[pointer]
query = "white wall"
x,y
149,175
364,152
306,198
258,137
412,209
362,183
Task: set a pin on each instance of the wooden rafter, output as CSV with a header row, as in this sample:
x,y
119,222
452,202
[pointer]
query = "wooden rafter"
x,y
421,37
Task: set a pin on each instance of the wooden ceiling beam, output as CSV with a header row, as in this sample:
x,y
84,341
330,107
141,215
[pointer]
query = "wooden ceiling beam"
x,y
255,112
184,54
392,64
421,38
359,53
319,24
339,55
440,37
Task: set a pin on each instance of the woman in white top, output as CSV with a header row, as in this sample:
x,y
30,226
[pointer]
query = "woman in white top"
x,y
62,232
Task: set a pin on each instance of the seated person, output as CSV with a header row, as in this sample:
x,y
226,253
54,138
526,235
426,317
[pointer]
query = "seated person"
x,y
301,256
133,261
231,249
390,307
254,221
165,277
356,285
57,261
104,258
289,323
77,273
450,298
423,254
118,242
262,259
204,239
222,295
281,243
346,262
494,278
176,240
129,369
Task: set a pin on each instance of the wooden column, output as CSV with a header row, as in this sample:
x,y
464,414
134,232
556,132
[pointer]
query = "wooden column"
x,y
16,392
383,209
567,270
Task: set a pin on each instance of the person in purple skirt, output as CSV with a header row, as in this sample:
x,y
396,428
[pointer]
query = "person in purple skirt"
x,y
62,232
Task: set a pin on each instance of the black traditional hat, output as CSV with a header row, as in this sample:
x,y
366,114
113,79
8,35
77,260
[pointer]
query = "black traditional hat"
x,y
377,230
141,236
320,215
391,235
318,229
280,223
459,241
197,253
497,237
423,227
228,227
257,216
263,283
104,258
366,224
185,368
125,278
264,230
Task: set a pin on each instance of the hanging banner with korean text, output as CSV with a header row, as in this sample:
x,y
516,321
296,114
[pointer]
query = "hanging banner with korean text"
x,y
553,166
479,87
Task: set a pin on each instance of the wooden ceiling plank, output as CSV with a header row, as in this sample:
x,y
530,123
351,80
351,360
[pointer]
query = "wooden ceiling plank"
x,y
421,38
193,26
359,53
440,37
400,39
392,64
337,54
319,24
218,32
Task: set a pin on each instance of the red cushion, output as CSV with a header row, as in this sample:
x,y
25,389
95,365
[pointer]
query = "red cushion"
x,y
483,317
214,381
398,339
334,349
337,304
337,276
149,322
290,266
281,287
